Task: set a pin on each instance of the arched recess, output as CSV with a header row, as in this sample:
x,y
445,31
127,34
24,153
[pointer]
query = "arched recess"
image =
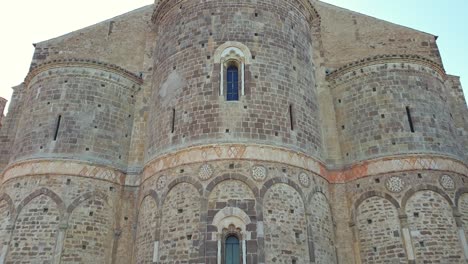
x,y
323,230
379,230
36,228
90,230
179,230
236,193
146,229
461,201
6,214
285,225
232,53
433,228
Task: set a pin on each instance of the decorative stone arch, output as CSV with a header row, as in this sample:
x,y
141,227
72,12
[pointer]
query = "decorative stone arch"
x,y
460,192
177,181
235,177
424,187
230,53
368,195
318,192
43,191
85,197
149,193
231,221
268,184
11,206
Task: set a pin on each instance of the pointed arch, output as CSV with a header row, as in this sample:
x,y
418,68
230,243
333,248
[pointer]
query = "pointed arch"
x,y
11,206
86,197
42,191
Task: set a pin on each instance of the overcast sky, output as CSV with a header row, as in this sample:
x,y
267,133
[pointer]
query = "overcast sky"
x,y
25,22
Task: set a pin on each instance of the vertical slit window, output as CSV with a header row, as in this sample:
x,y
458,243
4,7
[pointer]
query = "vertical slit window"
x,y
173,121
232,83
291,117
410,120
57,127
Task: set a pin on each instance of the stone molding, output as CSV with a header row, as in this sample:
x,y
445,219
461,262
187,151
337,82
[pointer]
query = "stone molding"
x,y
265,153
62,167
158,13
257,153
85,63
353,68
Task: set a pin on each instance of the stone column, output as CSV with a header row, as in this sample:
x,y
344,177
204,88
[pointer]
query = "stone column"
x,y
406,235
461,232
4,252
356,246
310,239
219,236
59,243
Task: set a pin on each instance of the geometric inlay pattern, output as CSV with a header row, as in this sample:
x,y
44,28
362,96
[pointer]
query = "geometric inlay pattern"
x,y
304,179
394,184
206,171
447,182
259,173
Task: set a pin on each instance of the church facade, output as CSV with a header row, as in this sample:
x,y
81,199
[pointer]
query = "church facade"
x,y
235,132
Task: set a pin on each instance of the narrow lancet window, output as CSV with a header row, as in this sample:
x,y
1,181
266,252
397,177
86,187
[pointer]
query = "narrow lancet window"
x,y
410,120
57,127
232,83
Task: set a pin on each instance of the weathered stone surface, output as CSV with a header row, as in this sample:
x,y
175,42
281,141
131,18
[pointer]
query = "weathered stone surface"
x,y
316,161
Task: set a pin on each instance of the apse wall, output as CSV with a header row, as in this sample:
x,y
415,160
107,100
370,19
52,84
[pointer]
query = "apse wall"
x,y
393,105
279,106
77,109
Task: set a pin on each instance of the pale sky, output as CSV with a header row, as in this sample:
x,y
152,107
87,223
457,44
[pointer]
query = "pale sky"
x,y
24,23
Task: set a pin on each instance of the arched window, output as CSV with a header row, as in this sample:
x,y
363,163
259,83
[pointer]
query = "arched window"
x,y
232,250
232,83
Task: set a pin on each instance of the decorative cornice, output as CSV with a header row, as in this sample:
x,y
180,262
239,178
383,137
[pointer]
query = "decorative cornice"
x,y
157,14
264,153
87,63
62,167
383,59
258,153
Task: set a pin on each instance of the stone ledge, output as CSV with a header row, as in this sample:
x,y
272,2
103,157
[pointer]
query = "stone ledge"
x,y
87,63
263,153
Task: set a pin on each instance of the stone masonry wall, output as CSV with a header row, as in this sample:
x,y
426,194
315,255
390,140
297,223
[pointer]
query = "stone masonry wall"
x,y
3,102
433,229
119,40
186,77
4,222
371,113
180,225
85,243
351,36
380,234
95,108
323,229
10,125
463,209
35,234
285,226
75,212
146,230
